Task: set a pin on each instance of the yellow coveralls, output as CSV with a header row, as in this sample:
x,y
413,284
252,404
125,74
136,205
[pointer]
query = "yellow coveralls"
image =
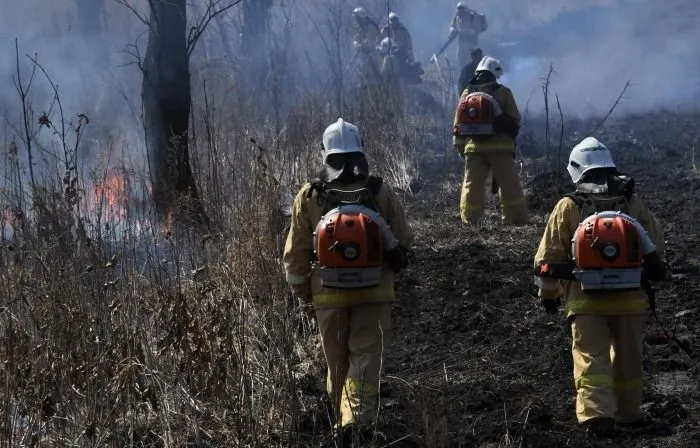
x,y
495,152
607,328
354,325
468,25
366,34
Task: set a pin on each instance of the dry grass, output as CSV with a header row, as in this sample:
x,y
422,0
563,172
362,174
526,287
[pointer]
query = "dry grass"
x,y
120,329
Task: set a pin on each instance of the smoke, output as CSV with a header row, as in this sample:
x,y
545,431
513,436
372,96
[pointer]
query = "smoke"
x,y
89,69
594,47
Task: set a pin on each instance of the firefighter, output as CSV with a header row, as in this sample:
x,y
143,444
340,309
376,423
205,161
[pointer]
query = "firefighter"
x,y
466,26
397,47
365,40
483,153
354,324
469,70
606,326
366,32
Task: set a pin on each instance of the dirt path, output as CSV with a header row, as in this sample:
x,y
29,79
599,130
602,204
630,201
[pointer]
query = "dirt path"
x,y
476,362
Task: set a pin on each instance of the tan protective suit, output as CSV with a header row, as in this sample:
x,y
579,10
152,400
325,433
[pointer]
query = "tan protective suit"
x,y
365,40
468,25
399,38
366,34
486,153
606,328
355,325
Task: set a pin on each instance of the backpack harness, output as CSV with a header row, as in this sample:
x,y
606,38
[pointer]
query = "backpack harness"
x,y
351,239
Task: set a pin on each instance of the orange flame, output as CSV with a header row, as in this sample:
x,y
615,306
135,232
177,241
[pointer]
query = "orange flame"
x,y
109,198
167,226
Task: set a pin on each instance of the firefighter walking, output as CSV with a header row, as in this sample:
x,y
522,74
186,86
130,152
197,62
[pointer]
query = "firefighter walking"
x,y
600,249
486,123
347,240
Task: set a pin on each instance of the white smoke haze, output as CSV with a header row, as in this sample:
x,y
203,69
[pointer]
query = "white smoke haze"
x,y
594,46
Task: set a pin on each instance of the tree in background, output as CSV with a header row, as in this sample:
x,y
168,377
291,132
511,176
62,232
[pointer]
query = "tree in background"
x,y
166,110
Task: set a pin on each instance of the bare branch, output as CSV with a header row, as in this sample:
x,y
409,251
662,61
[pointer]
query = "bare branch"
x,y
561,140
26,112
211,13
605,118
135,11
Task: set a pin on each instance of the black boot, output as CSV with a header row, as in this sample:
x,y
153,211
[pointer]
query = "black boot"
x,y
601,427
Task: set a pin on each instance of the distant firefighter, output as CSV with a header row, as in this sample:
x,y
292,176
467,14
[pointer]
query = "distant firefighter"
x,y
469,70
366,32
600,250
466,26
486,123
397,48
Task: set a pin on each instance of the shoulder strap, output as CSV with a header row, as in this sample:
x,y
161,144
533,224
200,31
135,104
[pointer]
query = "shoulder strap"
x,y
330,198
374,184
588,204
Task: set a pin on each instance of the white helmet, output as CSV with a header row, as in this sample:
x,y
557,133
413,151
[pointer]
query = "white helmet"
x,y
359,12
341,137
587,155
462,5
393,18
490,64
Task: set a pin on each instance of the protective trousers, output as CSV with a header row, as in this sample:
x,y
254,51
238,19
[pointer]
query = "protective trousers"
x,y
607,353
354,340
476,171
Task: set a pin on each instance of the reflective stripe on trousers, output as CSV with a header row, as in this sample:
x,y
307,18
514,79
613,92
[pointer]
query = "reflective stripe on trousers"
x,y
586,305
384,292
354,340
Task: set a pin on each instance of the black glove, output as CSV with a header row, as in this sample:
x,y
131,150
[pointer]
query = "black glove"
x,y
551,306
398,258
507,124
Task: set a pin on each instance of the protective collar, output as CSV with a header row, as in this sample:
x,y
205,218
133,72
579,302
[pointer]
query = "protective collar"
x,y
347,168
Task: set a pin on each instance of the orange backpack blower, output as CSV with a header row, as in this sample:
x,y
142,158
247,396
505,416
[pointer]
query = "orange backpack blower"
x,y
350,243
476,114
608,250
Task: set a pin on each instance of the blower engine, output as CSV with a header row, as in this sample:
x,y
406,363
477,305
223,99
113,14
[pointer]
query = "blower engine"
x,y
609,250
476,114
349,246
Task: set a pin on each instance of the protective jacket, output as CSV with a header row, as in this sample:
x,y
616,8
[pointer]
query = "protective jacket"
x,y
468,25
507,126
366,35
555,248
298,251
400,39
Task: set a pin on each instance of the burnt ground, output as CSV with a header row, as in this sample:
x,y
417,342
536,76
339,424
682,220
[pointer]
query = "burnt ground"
x,y
475,361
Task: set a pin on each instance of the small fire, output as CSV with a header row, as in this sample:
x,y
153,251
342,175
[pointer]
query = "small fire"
x,y
109,198
166,228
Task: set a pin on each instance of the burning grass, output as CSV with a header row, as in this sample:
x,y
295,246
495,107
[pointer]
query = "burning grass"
x,y
120,328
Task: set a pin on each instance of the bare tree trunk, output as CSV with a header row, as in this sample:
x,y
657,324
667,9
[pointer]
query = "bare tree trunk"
x,y
254,38
166,103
